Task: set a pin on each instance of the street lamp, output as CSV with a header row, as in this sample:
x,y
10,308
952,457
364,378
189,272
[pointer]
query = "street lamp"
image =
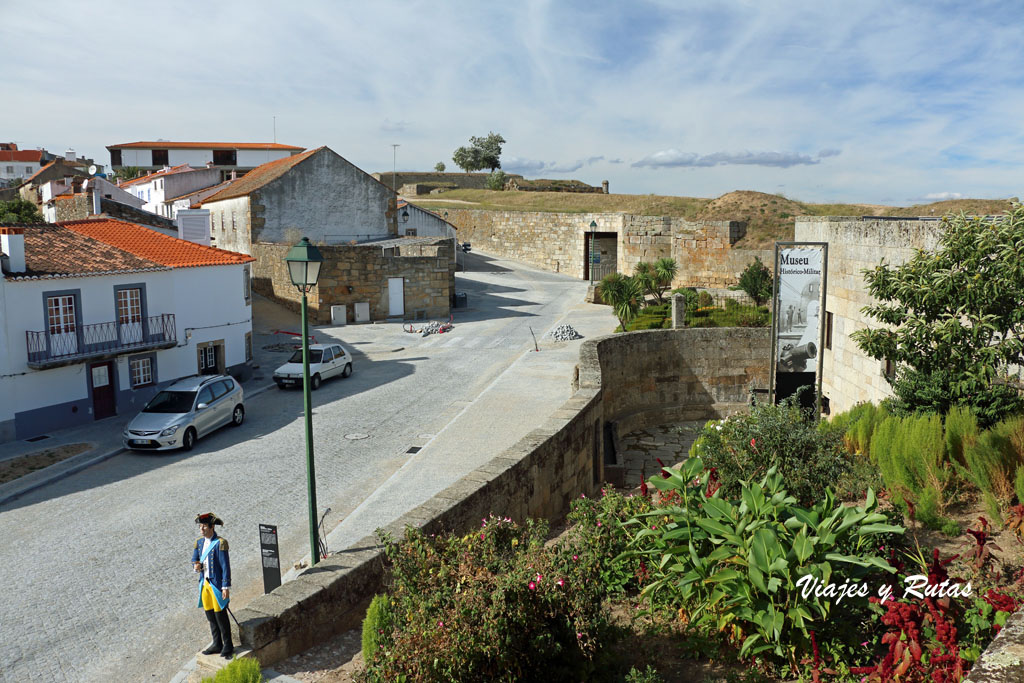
x,y
593,230
304,262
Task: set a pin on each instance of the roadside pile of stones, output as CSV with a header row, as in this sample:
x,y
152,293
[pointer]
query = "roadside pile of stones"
x,y
432,328
565,332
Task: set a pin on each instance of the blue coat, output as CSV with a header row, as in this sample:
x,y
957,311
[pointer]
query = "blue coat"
x,y
220,566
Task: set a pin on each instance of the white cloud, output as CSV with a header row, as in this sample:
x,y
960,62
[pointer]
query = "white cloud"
x,y
673,158
941,196
519,165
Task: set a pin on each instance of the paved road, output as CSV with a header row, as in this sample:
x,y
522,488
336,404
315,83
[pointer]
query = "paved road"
x,y
99,586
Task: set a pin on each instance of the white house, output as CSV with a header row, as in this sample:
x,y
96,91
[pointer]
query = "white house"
x,y
159,191
227,156
97,315
19,163
95,189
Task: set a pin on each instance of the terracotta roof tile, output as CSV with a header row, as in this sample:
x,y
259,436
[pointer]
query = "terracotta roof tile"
x,y
164,144
53,251
21,155
153,245
260,176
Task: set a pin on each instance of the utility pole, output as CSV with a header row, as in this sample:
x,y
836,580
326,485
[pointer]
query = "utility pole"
x,y
394,166
275,130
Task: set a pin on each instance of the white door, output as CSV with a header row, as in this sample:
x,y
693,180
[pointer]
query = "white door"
x,y
60,314
396,296
129,315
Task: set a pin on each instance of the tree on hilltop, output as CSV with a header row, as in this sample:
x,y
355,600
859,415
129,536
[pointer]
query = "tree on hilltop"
x,y
481,153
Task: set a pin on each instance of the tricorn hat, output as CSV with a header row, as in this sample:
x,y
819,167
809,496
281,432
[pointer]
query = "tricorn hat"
x,y
209,519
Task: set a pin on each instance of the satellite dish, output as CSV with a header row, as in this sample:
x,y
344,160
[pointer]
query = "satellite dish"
x,y
93,169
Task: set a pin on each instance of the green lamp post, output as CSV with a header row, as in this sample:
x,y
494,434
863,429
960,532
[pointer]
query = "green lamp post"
x,y
304,262
590,266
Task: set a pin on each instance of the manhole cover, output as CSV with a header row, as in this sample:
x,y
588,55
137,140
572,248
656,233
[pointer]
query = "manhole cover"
x,y
414,449
357,437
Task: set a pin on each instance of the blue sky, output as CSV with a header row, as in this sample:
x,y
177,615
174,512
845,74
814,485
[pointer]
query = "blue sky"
x,y
876,102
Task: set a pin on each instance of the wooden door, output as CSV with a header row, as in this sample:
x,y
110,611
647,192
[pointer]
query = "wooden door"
x,y
101,377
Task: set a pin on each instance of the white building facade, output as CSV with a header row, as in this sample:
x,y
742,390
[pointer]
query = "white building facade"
x,y
92,332
227,156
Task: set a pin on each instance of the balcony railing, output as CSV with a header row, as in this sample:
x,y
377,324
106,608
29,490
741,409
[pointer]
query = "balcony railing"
x,y
46,349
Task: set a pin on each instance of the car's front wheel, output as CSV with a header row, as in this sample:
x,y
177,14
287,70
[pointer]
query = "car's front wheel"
x,y
347,371
188,441
238,417
314,382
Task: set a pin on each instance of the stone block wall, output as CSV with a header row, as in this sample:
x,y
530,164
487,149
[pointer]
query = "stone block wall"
x,y
639,378
428,270
849,376
74,208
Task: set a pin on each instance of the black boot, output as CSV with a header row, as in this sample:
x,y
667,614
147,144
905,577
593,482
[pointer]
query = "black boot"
x,y
225,633
216,646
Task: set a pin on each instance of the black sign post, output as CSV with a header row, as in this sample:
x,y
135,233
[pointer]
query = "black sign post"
x,y
271,557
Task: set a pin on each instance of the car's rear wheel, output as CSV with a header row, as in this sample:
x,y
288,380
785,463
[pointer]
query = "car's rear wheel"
x,y
188,441
238,417
347,371
314,382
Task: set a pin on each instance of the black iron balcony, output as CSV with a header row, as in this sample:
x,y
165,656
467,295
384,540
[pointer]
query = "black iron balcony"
x,y
100,340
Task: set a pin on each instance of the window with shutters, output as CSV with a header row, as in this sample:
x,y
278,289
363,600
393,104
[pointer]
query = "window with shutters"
x,y
141,371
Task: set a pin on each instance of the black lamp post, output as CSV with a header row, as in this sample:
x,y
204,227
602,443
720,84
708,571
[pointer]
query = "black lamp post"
x,y
304,262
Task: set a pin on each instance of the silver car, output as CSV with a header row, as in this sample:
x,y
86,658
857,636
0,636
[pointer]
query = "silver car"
x,y
184,411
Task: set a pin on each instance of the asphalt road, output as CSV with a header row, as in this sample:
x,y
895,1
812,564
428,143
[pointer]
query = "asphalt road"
x,y
99,584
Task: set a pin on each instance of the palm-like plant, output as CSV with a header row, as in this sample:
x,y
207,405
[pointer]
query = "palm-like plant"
x,y
656,278
624,294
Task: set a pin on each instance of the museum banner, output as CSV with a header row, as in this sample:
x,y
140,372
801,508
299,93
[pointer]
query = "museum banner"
x,y
797,323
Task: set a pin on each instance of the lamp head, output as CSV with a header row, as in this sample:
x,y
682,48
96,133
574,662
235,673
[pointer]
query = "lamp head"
x,y
304,262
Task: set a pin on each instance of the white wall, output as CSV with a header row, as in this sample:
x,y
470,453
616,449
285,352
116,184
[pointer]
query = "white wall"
x,y
222,234
20,169
251,158
178,291
197,158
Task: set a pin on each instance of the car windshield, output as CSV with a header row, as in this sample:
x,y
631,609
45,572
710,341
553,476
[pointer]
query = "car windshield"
x,y
314,356
171,402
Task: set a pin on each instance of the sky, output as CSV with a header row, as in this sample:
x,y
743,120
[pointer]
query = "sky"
x,y
882,102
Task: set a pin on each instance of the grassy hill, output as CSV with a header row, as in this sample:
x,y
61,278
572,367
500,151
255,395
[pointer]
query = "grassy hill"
x,y
769,217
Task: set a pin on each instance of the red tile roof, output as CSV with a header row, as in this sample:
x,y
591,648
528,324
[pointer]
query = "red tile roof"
x,y
260,176
158,174
53,251
152,245
21,155
163,144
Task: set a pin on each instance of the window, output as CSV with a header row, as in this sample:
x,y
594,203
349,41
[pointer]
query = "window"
x,y
205,396
328,355
208,358
115,157
141,371
60,314
28,169
410,232
828,329
225,157
129,306
889,369
160,157
219,389
248,346
232,221
10,169
247,283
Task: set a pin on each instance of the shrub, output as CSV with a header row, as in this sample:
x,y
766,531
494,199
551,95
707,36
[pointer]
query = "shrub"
x,y
858,424
1018,484
961,433
732,565
491,605
756,281
992,461
376,626
743,447
240,670
704,300
599,539
496,180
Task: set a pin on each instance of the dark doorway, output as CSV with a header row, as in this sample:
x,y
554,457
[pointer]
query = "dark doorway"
x,y
101,378
788,383
600,255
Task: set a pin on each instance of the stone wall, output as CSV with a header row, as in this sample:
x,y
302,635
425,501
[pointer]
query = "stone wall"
x,y
428,267
849,376
468,181
556,242
639,378
74,208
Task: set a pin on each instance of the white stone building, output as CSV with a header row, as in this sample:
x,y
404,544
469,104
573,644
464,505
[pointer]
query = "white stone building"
x,y
97,315
240,157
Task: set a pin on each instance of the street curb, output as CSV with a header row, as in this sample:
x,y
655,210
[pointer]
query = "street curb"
x,y
15,491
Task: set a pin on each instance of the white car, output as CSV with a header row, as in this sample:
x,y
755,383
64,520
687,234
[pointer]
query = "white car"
x,y
325,361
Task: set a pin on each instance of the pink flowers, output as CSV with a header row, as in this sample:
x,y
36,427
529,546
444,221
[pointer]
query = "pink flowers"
x,y
560,583
532,586
440,624
575,558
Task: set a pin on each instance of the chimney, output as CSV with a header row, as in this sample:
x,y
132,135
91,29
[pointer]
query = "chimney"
x,y
209,164
234,175
604,186
12,242
69,155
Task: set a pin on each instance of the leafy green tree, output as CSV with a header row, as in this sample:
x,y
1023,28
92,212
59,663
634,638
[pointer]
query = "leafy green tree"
x,y
128,172
756,281
624,294
954,318
481,153
496,180
19,211
656,278
468,159
439,167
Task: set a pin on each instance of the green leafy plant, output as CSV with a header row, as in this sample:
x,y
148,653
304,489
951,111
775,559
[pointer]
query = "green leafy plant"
x,y
239,670
953,319
439,167
739,565
377,625
743,447
756,281
496,180
19,211
624,294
